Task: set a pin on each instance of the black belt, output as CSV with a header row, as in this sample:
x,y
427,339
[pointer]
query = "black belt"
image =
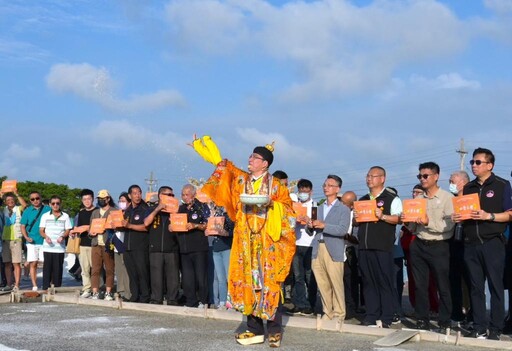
x,y
430,242
321,241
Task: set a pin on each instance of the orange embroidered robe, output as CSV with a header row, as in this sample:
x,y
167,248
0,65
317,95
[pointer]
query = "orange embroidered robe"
x,y
258,264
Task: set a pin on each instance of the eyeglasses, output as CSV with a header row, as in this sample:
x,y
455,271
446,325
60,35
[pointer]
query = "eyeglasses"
x,y
256,157
424,176
35,198
55,203
171,195
417,192
477,162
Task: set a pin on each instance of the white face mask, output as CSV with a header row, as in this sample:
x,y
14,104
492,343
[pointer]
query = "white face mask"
x,y
303,197
453,188
123,205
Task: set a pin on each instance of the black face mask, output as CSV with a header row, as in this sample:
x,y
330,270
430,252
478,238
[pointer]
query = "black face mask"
x,y
102,203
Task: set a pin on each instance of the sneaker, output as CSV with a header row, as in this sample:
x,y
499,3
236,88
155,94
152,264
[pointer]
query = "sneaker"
x,y
494,335
109,297
294,311
422,325
15,288
7,288
249,338
201,305
34,288
396,319
95,296
306,311
85,294
476,334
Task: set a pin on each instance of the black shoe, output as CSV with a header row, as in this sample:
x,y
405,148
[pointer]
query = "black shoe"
x,y
306,311
367,323
172,303
476,334
294,311
396,319
154,302
508,328
493,335
422,324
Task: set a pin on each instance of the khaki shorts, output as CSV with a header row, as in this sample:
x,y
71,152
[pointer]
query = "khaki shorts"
x,y
11,251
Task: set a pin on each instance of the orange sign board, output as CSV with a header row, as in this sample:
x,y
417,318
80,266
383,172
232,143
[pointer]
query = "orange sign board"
x,y
300,211
215,226
465,204
365,211
179,222
9,186
414,209
115,219
202,196
98,225
171,204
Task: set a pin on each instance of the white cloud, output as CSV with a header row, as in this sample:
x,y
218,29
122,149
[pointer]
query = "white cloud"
x,y
446,81
20,152
286,150
336,48
97,85
501,7
134,136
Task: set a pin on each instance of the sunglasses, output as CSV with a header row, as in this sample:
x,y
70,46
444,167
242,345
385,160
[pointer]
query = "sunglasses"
x,y
424,176
55,203
171,195
35,198
477,162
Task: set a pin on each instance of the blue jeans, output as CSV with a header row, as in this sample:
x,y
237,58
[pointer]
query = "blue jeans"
x,y
221,261
304,290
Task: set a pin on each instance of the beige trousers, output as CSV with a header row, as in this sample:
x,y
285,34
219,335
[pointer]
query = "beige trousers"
x,y
329,278
85,259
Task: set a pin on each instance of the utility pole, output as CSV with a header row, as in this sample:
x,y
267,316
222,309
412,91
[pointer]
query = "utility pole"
x,y
462,153
151,182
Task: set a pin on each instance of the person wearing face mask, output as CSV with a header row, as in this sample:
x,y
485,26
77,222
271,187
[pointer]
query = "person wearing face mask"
x,y
123,280
459,279
304,289
101,257
82,229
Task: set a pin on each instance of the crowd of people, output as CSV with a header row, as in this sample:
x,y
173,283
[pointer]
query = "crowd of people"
x,y
319,257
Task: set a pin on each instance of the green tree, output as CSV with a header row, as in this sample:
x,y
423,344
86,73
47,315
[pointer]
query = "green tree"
x,y
70,197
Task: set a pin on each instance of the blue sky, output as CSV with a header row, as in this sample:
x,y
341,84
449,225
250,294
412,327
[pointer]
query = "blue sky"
x,y
98,94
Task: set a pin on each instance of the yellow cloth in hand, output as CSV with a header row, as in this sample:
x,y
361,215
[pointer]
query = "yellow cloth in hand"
x,y
207,149
274,225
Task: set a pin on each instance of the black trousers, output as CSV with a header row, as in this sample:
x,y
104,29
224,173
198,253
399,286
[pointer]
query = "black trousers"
x,y
164,268
255,324
426,257
194,277
137,266
486,261
378,285
52,269
351,281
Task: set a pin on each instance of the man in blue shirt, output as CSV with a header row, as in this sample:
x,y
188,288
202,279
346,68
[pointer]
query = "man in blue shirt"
x,y
30,230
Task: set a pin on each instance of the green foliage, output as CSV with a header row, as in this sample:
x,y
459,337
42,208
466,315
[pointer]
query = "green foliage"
x,y
70,197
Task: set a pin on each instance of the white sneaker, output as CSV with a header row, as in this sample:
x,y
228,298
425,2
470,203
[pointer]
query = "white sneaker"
x,y
34,288
96,296
85,294
201,305
109,297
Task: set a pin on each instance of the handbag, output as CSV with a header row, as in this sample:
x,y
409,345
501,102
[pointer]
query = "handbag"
x,y
73,246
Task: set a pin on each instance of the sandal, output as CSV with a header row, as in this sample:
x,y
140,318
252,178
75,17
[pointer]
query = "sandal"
x,y
249,338
274,340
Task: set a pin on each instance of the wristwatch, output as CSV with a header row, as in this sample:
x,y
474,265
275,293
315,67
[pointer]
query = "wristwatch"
x,y
492,218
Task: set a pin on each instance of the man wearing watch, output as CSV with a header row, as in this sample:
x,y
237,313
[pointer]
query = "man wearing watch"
x,y
484,243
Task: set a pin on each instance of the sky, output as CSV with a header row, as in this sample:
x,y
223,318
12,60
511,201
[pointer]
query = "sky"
x,y
99,94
